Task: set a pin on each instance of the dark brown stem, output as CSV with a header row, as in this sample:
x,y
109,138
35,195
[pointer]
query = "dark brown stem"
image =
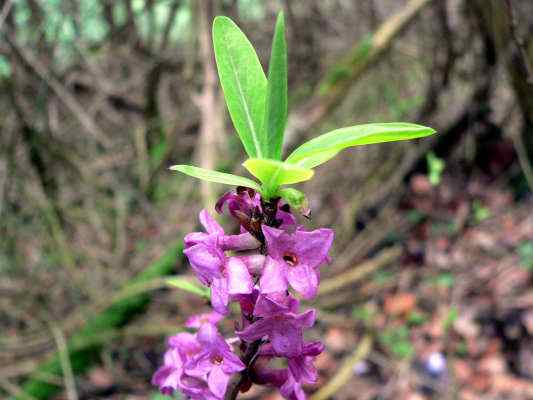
x,y
238,380
242,380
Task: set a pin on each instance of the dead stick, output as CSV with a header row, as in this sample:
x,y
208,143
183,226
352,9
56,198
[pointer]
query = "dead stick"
x,y
359,272
345,372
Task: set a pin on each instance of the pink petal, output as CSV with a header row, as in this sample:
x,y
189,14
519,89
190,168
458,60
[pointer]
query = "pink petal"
x,y
254,262
303,279
313,247
220,295
287,339
195,321
273,278
244,241
306,319
218,381
257,330
209,223
239,279
232,363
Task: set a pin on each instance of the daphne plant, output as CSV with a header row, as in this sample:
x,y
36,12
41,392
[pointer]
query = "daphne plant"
x,y
273,260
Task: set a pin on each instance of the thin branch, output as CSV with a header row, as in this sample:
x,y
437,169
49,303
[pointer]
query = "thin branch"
x,y
519,41
64,358
169,24
237,380
345,372
5,12
523,159
359,272
14,390
332,89
207,101
79,112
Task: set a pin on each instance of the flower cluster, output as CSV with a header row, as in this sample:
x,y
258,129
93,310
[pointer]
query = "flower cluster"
x,y
257,269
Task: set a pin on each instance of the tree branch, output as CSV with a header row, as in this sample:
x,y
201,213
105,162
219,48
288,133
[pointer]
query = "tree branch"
x,y
332,89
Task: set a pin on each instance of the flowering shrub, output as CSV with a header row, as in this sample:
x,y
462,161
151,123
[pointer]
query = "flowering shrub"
x,y
273,260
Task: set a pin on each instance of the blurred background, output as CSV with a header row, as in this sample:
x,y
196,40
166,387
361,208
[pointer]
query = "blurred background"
x,y
429,295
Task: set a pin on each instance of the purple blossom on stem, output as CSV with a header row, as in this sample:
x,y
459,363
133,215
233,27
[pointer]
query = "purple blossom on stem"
x,y
254,268
294,259
196,321
215,360
171,377
225,275
289,380
280,324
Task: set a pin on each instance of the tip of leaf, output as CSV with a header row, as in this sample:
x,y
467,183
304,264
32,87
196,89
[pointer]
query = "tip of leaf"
x,y
221,20
427,131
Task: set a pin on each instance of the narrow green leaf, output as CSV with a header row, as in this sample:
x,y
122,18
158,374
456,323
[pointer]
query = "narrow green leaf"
x,y
215,176
276,100
324,147
273,173
184,284
243,82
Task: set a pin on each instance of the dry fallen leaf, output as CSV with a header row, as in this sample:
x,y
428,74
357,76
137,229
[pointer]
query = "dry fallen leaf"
x,y
399,304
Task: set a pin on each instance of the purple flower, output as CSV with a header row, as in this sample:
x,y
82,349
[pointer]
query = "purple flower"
x,y
292,389
242,204
207,259
294,259
254,262
288,380
280,324
170,376
214,234
196,321
302,367
247,303
273,249
215,360
226,276
246,207
235,280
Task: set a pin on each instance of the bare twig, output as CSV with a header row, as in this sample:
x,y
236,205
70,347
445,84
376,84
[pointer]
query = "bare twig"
x,y
360,271
14,390
5,11
519,41
333,88
523,159
169,24
85,120
64,358
345,372
207,101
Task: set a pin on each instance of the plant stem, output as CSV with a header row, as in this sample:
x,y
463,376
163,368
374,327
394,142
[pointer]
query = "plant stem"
x,y
238,380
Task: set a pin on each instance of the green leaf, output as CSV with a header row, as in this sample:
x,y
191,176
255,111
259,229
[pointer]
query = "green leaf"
x,y
215,176
435,167
324,147
276,100
184,284
295,199
243,82
273,173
